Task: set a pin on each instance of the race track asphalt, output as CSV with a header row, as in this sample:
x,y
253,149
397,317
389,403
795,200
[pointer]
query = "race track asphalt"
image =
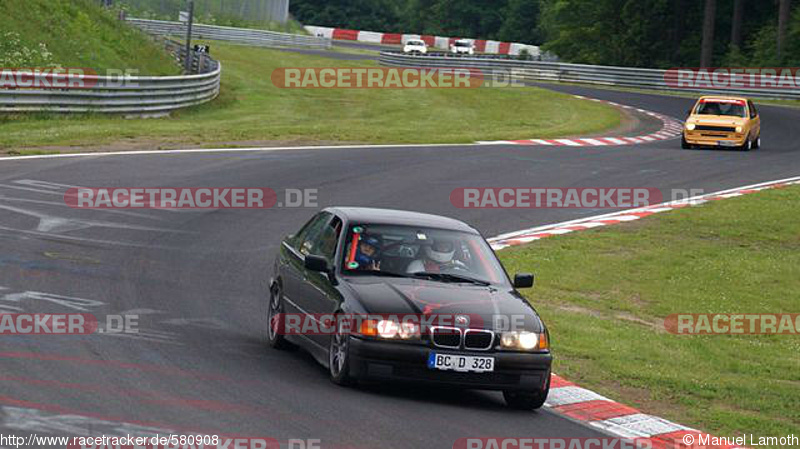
x,y
197,279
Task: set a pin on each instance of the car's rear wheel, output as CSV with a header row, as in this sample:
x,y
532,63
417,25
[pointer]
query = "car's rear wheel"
x,y
757,144
275,320
527,400
339,357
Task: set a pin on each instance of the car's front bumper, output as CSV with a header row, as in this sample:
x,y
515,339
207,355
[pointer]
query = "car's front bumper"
x,y
513,371
714,139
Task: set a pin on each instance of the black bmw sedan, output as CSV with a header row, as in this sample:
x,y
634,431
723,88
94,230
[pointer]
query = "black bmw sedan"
x,y
386,295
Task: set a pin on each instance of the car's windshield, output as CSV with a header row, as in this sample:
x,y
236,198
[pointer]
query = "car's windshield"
x,y
734,108
435,254
462,44
417,43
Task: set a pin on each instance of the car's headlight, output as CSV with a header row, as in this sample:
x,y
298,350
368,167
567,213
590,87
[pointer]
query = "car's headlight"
x,y
739,129
390,329
690,126
525,341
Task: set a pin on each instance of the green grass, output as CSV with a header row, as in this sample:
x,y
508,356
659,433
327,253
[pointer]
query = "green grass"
x,y
251,109
79,33
605,293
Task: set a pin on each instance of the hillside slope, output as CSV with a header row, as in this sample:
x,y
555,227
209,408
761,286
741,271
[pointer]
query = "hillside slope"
x,y
75,33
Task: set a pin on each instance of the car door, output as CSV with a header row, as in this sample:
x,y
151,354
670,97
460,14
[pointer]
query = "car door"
x,y
755,119
292,270
319,294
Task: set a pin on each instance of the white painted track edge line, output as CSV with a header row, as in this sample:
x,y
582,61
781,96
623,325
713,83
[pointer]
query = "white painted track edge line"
x,y
231,150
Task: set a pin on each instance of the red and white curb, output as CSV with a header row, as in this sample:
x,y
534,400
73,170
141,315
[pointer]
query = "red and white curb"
x,y
670,129
440,42
620,420
598,411
533,234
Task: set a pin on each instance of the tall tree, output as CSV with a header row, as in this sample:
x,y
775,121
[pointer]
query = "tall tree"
x,y
521,22
736,25
709,21
783,24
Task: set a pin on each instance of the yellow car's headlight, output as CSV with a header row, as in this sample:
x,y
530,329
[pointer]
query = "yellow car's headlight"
x,y
739,129
690,126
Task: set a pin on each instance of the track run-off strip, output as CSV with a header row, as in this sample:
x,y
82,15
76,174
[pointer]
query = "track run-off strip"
x,y
670,129
598,411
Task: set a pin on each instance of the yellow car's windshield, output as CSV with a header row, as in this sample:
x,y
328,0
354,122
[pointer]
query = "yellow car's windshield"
x,y
733,108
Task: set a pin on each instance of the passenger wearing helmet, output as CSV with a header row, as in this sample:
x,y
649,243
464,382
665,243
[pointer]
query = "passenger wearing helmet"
x,y
368,253
438,258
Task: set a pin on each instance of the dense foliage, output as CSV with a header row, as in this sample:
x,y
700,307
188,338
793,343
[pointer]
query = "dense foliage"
x,y
644,33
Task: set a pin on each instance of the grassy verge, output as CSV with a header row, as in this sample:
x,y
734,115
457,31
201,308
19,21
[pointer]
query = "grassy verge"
x,y
75,33
605,294
252,110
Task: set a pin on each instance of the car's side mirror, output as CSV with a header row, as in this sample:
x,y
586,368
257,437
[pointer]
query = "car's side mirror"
x,y
316,263
523,280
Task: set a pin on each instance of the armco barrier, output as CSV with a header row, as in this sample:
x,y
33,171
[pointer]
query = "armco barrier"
x,y
650,79
245,36
141,95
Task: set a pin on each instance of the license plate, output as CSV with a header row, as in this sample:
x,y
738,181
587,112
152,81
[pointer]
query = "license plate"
x,y
461,363
726,143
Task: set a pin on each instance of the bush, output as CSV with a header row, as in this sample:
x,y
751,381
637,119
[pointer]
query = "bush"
x,y
14,53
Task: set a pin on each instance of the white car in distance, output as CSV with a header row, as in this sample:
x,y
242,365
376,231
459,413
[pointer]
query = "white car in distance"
x,y
462,47
415,46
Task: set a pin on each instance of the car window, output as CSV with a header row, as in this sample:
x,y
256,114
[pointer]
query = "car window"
x,y
753,110
325,245
304,242
409,250
722,107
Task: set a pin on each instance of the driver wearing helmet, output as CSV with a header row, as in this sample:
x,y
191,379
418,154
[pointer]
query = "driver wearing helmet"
x,y
438,258
368,252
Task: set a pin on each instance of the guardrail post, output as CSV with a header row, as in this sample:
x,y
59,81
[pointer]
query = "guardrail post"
x,y
189,37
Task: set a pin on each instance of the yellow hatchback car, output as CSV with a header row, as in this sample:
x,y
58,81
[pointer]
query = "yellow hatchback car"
x,y
719,121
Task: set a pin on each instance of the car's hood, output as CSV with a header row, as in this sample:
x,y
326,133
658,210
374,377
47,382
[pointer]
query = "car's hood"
x,y
717,120
483,305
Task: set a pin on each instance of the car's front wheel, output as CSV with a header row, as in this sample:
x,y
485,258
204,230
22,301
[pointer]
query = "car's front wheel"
x,y
275,319
339,357
748,144
527,400
684,144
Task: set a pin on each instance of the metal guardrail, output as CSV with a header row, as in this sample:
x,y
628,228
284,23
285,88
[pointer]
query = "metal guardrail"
x,y
141,95
244,36
650,79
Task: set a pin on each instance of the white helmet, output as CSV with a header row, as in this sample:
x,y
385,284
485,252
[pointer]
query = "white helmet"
x,y
441,251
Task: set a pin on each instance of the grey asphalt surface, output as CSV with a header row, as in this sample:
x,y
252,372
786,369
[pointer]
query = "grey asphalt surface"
x,y
198,281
